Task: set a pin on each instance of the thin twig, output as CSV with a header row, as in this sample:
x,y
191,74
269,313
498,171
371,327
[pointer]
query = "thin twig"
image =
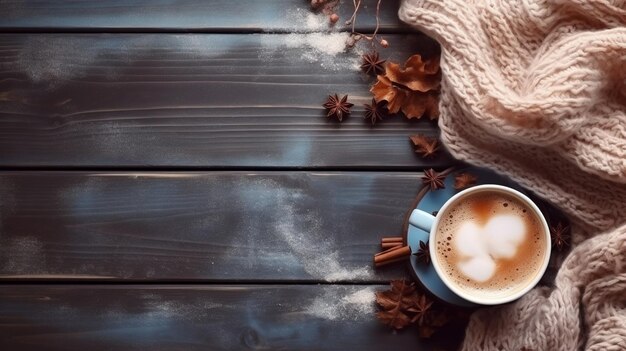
x,y
357,4
377,20
352,20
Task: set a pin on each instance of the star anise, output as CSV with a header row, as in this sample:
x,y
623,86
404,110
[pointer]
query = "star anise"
x,y
464,180
421,307
395,304
372,64
374,112
406,304
337,108
433,179
424,145
560,235
423,253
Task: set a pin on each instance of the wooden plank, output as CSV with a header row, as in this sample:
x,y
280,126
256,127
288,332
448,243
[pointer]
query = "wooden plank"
x,y
215,317
183,15
192,100
210,226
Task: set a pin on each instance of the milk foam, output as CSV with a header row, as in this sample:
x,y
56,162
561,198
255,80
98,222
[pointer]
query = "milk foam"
x,y
480,247
479,268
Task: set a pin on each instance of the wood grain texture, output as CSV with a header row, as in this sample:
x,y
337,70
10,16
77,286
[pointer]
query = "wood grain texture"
x,y
192,100
202,226
199,317
182,15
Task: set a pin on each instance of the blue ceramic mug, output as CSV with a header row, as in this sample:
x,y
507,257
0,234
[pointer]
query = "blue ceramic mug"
x,y
430,223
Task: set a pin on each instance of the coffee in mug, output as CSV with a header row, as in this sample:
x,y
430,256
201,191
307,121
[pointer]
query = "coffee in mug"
x,y
489,244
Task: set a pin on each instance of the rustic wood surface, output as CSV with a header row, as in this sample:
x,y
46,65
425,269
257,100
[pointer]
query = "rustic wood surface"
x,y
168,179
183,15
199,317
193,100
210,226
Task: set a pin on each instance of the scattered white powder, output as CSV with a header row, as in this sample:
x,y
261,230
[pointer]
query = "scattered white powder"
x,y
314,248
308,238
313,41
322,43
157,307
326,49
339,303
23,255
316,21
55,58
313,22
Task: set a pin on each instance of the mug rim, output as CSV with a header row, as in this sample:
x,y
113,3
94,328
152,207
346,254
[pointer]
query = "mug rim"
x,y
477,299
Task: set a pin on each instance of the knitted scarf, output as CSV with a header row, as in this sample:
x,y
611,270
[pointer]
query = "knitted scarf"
x,y
535,89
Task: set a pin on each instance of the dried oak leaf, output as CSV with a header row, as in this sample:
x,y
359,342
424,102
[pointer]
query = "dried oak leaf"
x,y
424,145
413,104
417,74
464,180
433,179
404,304
395,304
412,89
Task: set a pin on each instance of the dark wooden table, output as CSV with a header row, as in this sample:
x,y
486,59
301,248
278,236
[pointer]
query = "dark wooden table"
x,y
166,184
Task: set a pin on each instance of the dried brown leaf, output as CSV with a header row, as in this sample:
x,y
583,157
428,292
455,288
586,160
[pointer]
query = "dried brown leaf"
x,y
394,320
464,180
417,75
404,304
424,145
413,104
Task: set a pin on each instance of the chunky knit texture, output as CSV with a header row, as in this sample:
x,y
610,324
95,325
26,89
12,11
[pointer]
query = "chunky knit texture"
x,y
536,90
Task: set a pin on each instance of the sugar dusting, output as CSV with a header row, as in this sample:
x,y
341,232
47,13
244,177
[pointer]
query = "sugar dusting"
x,y
159,307
303,230
304,20
55,58
340,303
23,255
316,253
314,41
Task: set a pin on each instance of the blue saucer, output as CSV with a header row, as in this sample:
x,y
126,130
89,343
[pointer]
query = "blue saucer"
x,y
431,202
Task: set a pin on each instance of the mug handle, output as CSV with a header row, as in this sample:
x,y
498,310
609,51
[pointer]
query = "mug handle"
x,y
422,219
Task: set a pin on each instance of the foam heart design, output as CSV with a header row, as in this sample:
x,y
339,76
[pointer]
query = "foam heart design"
x,y
479,268
481,247
469,242
503,235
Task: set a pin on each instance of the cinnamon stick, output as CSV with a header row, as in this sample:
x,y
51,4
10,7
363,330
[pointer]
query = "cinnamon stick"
x,y
392,255
388,250
378,265
390,245
391,239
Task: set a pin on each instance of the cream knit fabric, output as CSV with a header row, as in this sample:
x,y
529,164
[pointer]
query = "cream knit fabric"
x,y
536,90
